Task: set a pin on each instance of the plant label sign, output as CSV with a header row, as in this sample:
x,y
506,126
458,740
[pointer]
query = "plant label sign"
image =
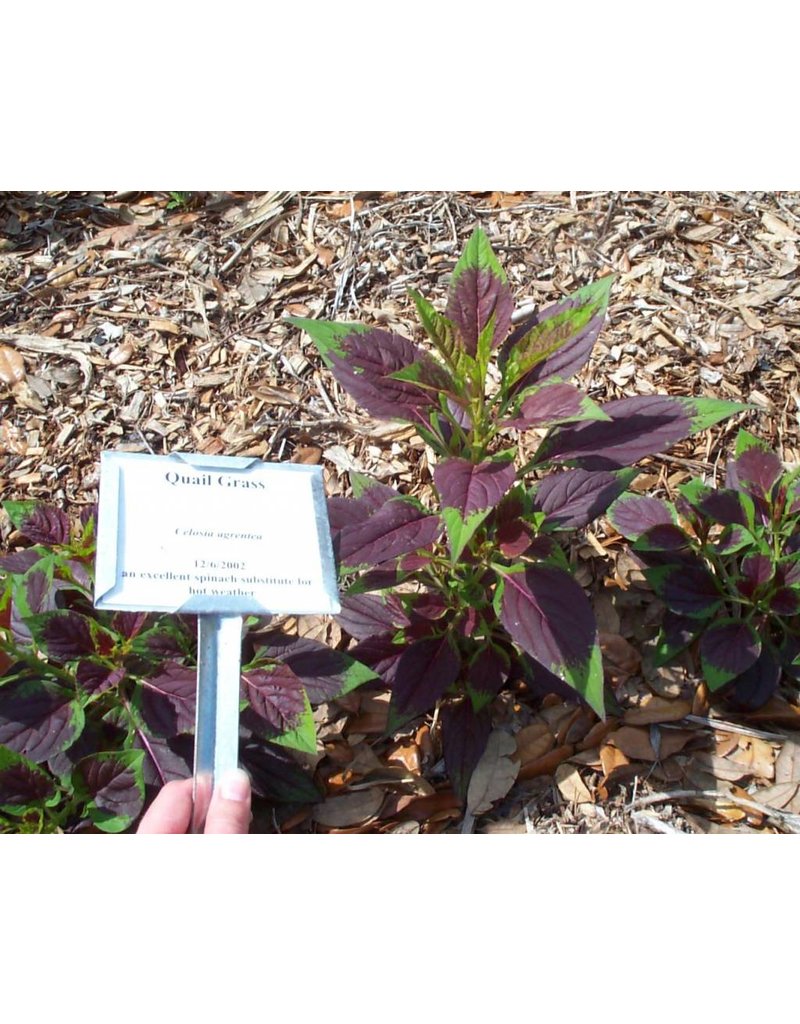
x,y
199,534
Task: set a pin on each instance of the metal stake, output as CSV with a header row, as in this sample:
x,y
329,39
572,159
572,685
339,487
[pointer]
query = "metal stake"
x,y
216,744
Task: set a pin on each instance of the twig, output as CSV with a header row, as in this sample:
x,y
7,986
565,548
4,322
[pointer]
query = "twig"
x,y
722,726
781,819
654,824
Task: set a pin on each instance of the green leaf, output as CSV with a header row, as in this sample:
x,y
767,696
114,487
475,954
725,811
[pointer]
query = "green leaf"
x,y
304,735
705,412
460,531
438,328
745,441
478,255
114,783
327,334
19,511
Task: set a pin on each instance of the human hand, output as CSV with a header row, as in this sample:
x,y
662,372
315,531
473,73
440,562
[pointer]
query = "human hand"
x,y
229,811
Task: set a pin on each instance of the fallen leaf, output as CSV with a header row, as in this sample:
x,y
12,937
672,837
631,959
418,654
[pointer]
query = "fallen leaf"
x,y
612,757
405,753
307,455
620,659
654,710
787,763
494,774
547,763
164,326
785,796
12,365
349,810
533,741
340,210
571,785
636,742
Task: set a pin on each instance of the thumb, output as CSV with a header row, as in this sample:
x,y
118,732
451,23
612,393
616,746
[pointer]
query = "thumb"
x,y
229,810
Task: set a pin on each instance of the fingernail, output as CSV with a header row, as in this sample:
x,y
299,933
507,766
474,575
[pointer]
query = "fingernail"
x,y
235,785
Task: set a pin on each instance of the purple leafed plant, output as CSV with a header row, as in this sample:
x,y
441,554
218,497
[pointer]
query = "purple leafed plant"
x,y
97,708
726,562
454,600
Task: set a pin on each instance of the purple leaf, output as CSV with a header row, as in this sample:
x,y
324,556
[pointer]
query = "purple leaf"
x,y
168,700
638,427
18,562
275,695
276,777
728,648
677,632
724,506
575,497
38,720
40,593
756,571
663,537
557,341
753,688
399,528
95,678
633,514
547,613
478,294
325,673
114,781
689,590
22,784
165,760
129,624
513,537
487,672
760,469
785,602
464,738
472,488
67,635
46,525
365,615
380,654
424,672
365,372
554,403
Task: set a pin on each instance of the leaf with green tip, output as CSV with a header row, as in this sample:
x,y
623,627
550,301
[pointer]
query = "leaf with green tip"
x,y
745,441
547,613
638,426
573,498
676,634
471,487
327,335
479,298
38,719
115,784
324,672
304,735
554,403
461,529
635,514
557,341
689,590
728,648
21,781
477,255
425,671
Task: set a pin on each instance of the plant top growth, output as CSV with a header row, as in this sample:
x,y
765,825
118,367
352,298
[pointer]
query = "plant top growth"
x,y
453,602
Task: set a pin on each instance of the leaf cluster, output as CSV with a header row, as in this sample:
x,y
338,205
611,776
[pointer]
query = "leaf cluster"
x,y
453,602
726,562
97,708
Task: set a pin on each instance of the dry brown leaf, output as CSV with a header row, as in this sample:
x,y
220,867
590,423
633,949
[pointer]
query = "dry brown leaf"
x,y
534,741
307,455
547,763
611,757
720,767
785,796
654,710
341,210
636,742
350,809
620,659
163,326
494,774
571,785
405,753
787,763
12,366
756,755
